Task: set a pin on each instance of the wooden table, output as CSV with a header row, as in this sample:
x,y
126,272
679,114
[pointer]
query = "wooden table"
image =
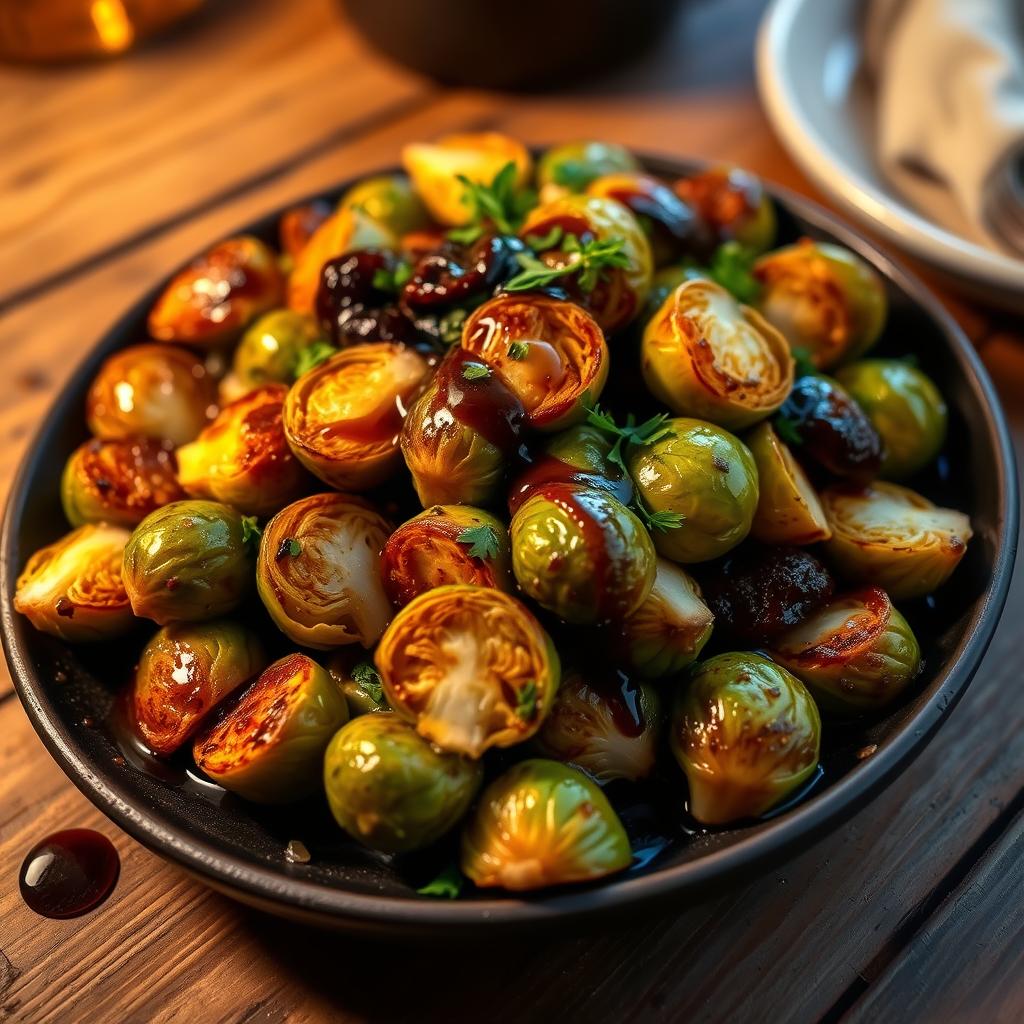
x,y
110,174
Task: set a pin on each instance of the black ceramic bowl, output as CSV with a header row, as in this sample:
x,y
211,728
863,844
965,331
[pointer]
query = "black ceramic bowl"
x,y
240,849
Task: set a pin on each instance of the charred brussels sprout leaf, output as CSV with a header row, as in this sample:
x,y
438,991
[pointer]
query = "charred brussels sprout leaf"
x,y
733,206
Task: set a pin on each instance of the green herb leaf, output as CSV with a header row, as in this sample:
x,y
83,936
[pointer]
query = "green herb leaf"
x,y
787,429
518,350
587,261
467,235
251,532
290,548
664,520
483,541
804,363
526,702
631,433
499,204
402,274
475,371
385,280
367,678
574,175
312,356
732,267
448,884
539,243
450,326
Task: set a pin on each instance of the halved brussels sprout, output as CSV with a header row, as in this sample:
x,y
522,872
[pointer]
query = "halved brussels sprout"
x,y
700,484
893,537
706,355
470,666
581,554
669,629
572,166
118,482
157,391
746,733
733,204
208,302
269,351
824,298
243,459
184,672
393,790
269,748
605,724
548,352
358,680
436,169
298,225
906,409
542,823
459,433
73,588
318,572
446,544
856,654
388,199
788,507
619,290
342,418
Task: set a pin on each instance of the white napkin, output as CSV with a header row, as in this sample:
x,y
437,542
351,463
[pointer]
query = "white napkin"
x,y
949,77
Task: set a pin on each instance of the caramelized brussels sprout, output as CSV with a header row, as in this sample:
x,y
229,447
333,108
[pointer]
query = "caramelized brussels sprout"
x,y
470,666
184,672
460,432
549,353
856,654
605,724
73,589
269,351
705,355
788,507
388,199
188,561
358,680
342,418
746,733
542,823
700,485
669,629
905,408
733,204
891,536
298,225
156,391
572,166
118,482
208,302
269,748
393,790
581,554
438,168
824,298
318,571
242,458
446,544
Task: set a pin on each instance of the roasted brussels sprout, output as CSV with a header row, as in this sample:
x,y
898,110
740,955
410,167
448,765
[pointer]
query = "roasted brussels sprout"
x,y
746,733
732,204
581,554
157,391
856,654
905,408
669,629
825,299
788,508
604,723
542,823
389,199
549,353
699,483
188,561
446,544
73,588
318,571
184,672
118,482
208,302
342,418
459,433
269,351
358,680
243,459
269,748
572,166
470,666
393,790
890,536
706,355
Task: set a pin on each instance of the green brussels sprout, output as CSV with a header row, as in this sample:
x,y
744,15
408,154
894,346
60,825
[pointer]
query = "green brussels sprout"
x,y
858,653
184,671
572,166
390,200
732,204
269,748
393,790
669,629
540,824
269,351
746,733
581,554
359,681
906,409
188,561
73,588
699,483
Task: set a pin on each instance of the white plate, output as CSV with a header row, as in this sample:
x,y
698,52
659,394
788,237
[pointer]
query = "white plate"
x,y
811,82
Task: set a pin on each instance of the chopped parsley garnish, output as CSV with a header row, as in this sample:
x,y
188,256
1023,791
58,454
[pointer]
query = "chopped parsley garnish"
x,y
450,326
631,433
290,548
385,280
526,702
475,371
541,243
312,356
447,885
499,204
518,350
482,541
586,261
251,532
367,678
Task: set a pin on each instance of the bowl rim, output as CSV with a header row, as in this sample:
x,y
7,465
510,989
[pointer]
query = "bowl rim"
x,y
322,903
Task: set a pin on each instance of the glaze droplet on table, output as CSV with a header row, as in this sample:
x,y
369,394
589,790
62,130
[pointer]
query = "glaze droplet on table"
x,y
69,873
